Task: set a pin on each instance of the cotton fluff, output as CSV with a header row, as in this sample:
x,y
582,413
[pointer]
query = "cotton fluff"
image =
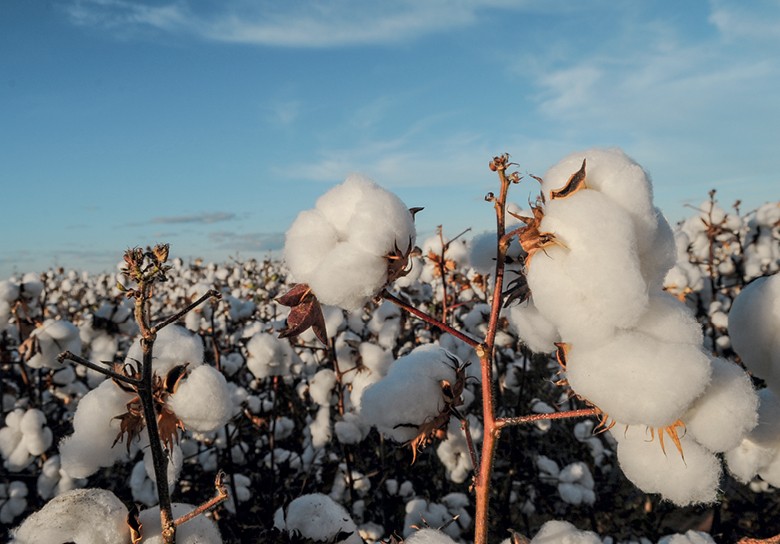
x,y
759,452
94,430
727,410
198,530
592,284
202,400
575,484
54,337
95,516
429,536
13,501
319,518
637,379
690,537
410,394
24,437
535,331
691,480
173,346
563,532
54,481
268,356
754,322
340,247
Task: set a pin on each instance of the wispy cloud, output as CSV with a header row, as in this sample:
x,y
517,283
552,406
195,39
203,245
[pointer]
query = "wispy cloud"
x,y
757,20
291,24
203,218
254,241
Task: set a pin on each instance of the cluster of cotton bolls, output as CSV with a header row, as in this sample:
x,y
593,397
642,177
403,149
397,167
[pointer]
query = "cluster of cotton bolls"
x,y
24,437
627,347
355,241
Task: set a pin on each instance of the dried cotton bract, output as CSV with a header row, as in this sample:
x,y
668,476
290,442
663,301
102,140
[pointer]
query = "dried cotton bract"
x,y
356,240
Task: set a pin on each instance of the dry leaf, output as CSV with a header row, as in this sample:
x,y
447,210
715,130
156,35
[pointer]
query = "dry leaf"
x,y
305,312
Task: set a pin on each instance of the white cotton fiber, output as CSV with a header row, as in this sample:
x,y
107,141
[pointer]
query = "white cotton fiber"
x,y
760,448
563,532
95,516
198,530
593,284
173,346
660,256
410,394
533,329
429,536
321,386
754,322
686,481
340,248
727,410
94,431
268,355
202,400
637,379
668,320
319,518
690,537
54,337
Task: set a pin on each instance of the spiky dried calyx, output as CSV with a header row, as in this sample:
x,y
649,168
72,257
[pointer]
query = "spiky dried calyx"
x,y
305,313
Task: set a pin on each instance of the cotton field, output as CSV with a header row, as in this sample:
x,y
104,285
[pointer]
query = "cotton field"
x,y
339,394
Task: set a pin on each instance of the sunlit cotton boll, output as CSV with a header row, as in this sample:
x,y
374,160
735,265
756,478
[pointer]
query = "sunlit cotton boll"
x,y
202,400
754,322
429,536
340,248
410,394
563,532
686,481
638,379
173,346
726,411
96,516
592,284
54,337
268,356
319,518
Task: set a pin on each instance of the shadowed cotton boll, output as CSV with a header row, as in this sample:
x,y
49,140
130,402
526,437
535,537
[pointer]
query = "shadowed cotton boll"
x,y
686,481
96,516
533,329
268,356
429,536
754,322
593,284
726,411
669,320
202,400
759,451
563,532
319,518
173,346
340,248
410,394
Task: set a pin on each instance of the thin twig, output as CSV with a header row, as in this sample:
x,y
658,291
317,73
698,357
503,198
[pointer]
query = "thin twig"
x,y
507,421
68,356
178,315
221,496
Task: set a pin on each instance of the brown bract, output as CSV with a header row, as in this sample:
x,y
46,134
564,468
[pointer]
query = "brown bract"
x,y
575,183
531,238
398,262
305,312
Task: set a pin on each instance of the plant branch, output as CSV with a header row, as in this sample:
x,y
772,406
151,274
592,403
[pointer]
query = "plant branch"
x,y
507,421
178,315
430,320
221,496
68,356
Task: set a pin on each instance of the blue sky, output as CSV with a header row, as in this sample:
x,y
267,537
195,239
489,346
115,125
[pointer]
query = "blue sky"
x,y
209,125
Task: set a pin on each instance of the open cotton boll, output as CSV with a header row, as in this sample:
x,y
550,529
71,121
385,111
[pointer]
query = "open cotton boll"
x,y
533,329
429,536
686,481
410,394
319,518
593,284
198,530
669,320
321,386
690,537
96,516
268,356
660,255
173,346
202,400
94,430
340,249
9,291
563,532
637,379
726,411
761,446
54,337
13,501
36,436
575,484
754,320
55,481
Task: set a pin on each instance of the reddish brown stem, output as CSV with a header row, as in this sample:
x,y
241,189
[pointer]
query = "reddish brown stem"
x,y
221,496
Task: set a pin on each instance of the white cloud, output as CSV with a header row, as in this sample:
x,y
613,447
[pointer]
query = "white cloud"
x,y
203,218
756,20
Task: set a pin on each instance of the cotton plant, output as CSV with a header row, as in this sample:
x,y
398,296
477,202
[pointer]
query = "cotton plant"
x,y
627,348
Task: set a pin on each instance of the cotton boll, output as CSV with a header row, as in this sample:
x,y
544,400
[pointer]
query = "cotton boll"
x,y
96,516
321,386
37,436
305,240
348,277
686,481
202,400
761,446
535,331
563,532
13,501
669,320
575,484
9,291
593,284
320,428
726,411
429,536
54,481
54,337
175,462
319,518
690,537
375,358
198,530
410,394
637,379
173,346
454,454
660,256
268,356
351,429
754,320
